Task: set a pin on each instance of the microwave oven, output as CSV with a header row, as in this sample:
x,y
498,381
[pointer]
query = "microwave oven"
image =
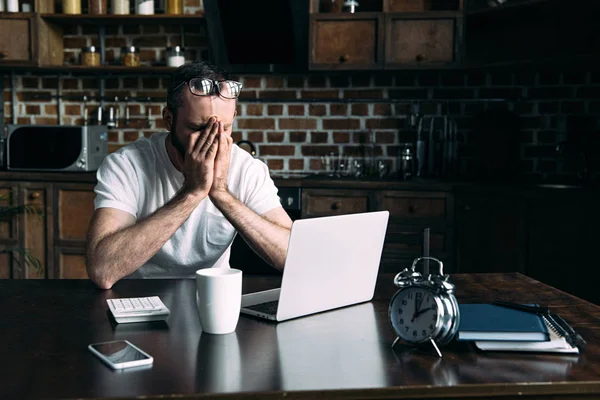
x,y
55,148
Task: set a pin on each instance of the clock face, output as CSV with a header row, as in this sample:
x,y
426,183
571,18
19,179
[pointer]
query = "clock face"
x,y
414,314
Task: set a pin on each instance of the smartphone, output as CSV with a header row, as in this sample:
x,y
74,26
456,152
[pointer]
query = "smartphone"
x,y
120,354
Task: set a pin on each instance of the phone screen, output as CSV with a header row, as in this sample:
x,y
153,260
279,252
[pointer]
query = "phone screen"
x,y
119,352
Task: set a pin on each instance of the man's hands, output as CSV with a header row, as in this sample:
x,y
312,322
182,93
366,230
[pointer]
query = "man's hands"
x,y
219,185
206,162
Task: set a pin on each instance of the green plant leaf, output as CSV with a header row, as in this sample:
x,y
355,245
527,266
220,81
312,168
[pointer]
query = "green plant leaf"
x,y
28,257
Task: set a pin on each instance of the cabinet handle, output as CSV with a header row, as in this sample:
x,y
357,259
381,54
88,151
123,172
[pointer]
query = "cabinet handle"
x,y
2,55
420,57
344,58
337,205
411,209
34,195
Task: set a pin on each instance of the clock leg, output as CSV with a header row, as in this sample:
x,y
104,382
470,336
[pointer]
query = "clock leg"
x,y
436,347
396,341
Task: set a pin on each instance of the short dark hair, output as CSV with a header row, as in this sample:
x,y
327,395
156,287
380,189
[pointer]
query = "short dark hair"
x,y
198,69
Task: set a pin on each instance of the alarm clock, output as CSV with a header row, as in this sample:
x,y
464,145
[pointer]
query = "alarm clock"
x,y
424,310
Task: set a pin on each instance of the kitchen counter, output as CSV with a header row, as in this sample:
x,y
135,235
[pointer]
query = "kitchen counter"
x,y
304,180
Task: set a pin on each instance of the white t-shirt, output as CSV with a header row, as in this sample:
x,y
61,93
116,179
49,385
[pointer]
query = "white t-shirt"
x,y
139,179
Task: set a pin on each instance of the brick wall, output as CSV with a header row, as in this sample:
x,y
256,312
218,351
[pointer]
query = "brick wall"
x,y
294,120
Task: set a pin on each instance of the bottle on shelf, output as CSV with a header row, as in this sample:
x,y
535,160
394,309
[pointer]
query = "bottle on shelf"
x,y
71,6
130,56
26,6
120,7
175,56
144,7
97,6
174,7
12,5
90,57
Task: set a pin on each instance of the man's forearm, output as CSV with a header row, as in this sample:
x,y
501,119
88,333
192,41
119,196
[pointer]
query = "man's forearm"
x,y
266,238
121,253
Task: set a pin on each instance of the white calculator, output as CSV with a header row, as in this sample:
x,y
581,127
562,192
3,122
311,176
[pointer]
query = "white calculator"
x,y
138,309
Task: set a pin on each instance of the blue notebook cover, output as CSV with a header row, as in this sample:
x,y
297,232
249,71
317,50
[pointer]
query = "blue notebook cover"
x,y
492,322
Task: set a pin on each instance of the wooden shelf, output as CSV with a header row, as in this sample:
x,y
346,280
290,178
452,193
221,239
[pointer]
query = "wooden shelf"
x,y
83,70
510,6
6,14
110,19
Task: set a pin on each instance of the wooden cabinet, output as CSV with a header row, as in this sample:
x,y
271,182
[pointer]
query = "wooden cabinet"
x,y
562,234
337,42
424,39
324,202
27,39
546,234
415,36
25,229
490,230
74,209
410,213
53,231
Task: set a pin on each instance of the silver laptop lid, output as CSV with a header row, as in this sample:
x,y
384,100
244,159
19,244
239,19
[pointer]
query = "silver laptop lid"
x,y
331,262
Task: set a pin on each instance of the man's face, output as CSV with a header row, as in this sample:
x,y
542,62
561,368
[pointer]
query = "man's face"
x,y
194,114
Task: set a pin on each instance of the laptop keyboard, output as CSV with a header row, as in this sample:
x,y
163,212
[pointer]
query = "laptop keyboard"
x,y
270,307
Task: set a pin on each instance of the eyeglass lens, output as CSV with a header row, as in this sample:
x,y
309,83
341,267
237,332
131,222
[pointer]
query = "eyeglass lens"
x,y
204,87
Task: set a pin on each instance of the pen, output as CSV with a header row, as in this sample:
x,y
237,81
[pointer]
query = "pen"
x,y
573,337
523,307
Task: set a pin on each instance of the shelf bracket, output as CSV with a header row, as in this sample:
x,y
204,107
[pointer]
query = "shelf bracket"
x,y
13,92
101,37
2,133
58,100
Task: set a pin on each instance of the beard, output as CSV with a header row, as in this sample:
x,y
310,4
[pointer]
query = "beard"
x,y
178,144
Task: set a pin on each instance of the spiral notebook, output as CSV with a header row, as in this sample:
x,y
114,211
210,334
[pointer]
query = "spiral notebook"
x,y
482,321
557,343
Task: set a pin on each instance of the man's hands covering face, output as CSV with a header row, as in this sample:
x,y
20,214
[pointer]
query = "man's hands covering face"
x,y
206,163
219,185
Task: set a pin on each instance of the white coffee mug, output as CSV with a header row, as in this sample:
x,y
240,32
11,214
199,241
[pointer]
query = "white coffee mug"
x,y
219,299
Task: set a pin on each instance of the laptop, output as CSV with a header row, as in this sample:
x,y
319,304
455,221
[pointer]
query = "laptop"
x,y
331,262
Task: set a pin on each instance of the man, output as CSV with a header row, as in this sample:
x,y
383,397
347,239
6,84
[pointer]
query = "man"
x,y
171,204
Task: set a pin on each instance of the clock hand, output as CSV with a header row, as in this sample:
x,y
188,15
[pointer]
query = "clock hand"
x,y
423,311
415,312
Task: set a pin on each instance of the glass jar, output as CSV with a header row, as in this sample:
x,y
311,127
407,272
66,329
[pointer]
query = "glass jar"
x,y
71,6
144,7
175,56
12,5
90,57
174,7
130,56
120,7
97,6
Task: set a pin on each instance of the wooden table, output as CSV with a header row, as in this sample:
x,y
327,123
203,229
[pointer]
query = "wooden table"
x,y
45,328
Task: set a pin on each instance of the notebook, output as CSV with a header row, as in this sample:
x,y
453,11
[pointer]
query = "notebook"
x,y
556,344
491,322
331,262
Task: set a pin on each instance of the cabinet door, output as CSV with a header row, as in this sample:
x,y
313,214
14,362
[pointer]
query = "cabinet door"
x,y
421,41
8,229
35,228
24,230
410,213
29,40
325,202
15,39
341,42
489,232
70,262
74,210
562,238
